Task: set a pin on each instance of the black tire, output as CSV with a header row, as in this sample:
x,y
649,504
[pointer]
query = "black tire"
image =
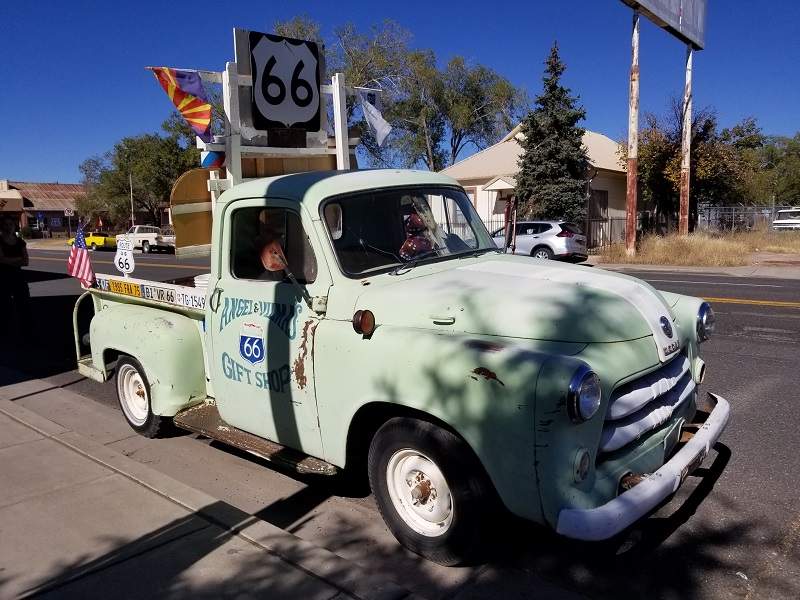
x,y
145,247
142,422
472,495
543,252
94,246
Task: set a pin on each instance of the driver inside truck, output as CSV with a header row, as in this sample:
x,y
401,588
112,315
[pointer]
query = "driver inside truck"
x,y
270,240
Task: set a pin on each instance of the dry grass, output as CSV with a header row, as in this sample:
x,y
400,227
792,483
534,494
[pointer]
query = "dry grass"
x,y
766,240
694,250
705,250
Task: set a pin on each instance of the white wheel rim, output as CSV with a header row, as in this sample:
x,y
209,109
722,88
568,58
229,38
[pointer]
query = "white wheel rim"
x,y
541,254
419,493
133,394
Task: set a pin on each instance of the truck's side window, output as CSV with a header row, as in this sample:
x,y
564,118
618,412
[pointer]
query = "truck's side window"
x,y
253,228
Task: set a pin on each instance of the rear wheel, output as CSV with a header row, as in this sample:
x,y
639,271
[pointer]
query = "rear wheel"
x,y
94,246
133,393
542,252
431,494
145,247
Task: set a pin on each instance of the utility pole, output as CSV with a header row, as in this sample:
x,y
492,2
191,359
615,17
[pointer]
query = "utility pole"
x,y
130,184
686,147
633,142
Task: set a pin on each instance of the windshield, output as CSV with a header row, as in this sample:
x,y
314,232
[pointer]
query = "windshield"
x,y
378,231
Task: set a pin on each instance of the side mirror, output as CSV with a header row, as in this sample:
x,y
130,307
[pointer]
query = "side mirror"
x,y
333,219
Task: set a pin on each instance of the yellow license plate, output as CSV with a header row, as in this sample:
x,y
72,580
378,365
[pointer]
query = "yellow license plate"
x,y
123,287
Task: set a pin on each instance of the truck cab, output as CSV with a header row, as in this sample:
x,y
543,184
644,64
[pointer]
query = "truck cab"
x,y
366,322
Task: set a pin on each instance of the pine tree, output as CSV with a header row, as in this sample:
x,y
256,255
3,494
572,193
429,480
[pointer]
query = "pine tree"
x,y
553,167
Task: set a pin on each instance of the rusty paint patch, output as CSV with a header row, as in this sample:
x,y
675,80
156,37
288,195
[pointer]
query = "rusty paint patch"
x,y
299,366
487,374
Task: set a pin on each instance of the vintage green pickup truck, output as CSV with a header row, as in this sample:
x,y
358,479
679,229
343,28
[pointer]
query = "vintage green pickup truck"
x,y
366,321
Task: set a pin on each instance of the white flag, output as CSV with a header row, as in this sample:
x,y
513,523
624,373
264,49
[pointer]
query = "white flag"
x,y
377,124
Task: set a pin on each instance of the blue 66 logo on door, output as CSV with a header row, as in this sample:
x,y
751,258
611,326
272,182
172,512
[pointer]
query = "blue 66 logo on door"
x,y
286,82
251,342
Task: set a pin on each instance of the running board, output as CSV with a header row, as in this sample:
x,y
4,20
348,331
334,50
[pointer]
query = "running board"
x,y
204,418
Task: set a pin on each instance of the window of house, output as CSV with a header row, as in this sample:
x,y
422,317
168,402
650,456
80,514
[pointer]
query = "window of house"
x,y
254,229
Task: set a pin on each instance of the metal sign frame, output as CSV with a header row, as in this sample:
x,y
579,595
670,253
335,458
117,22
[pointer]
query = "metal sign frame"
x,y
685,19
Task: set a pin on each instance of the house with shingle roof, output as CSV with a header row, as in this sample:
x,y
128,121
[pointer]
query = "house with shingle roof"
x,y
40,205
488,177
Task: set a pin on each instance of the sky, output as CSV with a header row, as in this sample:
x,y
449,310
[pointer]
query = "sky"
x,y
72,77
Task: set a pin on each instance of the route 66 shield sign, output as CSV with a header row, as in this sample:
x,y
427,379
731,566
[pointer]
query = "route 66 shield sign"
x,y
123,259
286,82
251,343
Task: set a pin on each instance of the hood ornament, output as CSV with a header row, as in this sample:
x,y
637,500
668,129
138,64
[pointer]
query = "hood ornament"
x,y
666,326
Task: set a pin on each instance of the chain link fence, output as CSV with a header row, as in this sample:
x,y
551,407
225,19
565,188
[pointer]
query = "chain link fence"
x,y
602,232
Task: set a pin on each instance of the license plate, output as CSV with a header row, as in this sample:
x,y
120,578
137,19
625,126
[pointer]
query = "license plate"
x,y
696,462
123,287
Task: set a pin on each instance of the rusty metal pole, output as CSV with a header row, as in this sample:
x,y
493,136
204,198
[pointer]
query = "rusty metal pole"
x,y
686,147
633,143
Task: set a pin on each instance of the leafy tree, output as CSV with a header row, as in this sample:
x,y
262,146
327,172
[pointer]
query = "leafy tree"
x,y
479,106
151,162
434,113
551,182
416,116
727,167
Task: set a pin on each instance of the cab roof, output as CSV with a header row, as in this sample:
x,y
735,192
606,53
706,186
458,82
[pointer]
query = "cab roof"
x,y
313,187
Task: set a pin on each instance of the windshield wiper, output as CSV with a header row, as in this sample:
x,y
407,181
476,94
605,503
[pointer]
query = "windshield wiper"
x,y
407,266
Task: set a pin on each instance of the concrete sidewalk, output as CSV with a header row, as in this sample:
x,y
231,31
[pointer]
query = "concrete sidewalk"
x,y
80,520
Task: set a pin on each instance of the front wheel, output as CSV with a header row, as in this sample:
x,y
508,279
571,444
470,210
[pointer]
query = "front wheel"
x,y
542,252
431,493
94,246
133,393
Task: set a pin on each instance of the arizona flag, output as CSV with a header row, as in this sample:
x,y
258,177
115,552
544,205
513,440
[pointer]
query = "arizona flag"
x,y
78,264
185,89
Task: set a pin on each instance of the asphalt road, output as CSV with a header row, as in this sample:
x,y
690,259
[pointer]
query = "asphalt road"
x,y
733,530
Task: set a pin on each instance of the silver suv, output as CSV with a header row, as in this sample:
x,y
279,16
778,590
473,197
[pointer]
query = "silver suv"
x,y
547,240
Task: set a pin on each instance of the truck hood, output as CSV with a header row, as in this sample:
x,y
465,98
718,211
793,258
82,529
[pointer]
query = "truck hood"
x,y
519,297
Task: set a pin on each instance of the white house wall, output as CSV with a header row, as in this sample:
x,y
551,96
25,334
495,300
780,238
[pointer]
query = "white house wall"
x,y
614,184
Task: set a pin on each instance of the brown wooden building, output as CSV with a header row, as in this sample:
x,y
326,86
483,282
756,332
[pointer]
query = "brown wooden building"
x,y
41,206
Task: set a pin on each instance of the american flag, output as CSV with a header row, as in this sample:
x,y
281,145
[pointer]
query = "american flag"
x,y
79,265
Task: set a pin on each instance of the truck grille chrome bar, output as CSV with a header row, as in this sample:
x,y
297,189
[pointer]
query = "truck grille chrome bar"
x,y
644,404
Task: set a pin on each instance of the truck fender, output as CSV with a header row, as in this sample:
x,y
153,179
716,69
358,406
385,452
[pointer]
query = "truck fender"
x,y
167,344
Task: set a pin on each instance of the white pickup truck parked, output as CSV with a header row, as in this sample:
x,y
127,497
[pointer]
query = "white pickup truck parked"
x,y
149,238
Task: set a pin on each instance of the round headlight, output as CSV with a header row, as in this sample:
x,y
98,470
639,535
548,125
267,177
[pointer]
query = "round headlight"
x,y
705,322
584,395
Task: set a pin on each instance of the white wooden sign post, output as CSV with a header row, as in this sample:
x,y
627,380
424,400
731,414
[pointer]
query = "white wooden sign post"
x,y
284,91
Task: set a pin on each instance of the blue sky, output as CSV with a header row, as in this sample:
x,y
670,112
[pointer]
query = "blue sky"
x,y
73,78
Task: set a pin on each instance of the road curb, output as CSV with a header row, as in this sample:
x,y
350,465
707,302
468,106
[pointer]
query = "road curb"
x,y
314,560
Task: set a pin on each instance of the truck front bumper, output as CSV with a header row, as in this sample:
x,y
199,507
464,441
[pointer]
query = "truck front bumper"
x,y
605,521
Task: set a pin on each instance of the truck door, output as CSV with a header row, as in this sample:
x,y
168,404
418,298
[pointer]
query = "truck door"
x,y
262,330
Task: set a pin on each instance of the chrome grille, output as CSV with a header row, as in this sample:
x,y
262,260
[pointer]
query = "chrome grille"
x,y
646,403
